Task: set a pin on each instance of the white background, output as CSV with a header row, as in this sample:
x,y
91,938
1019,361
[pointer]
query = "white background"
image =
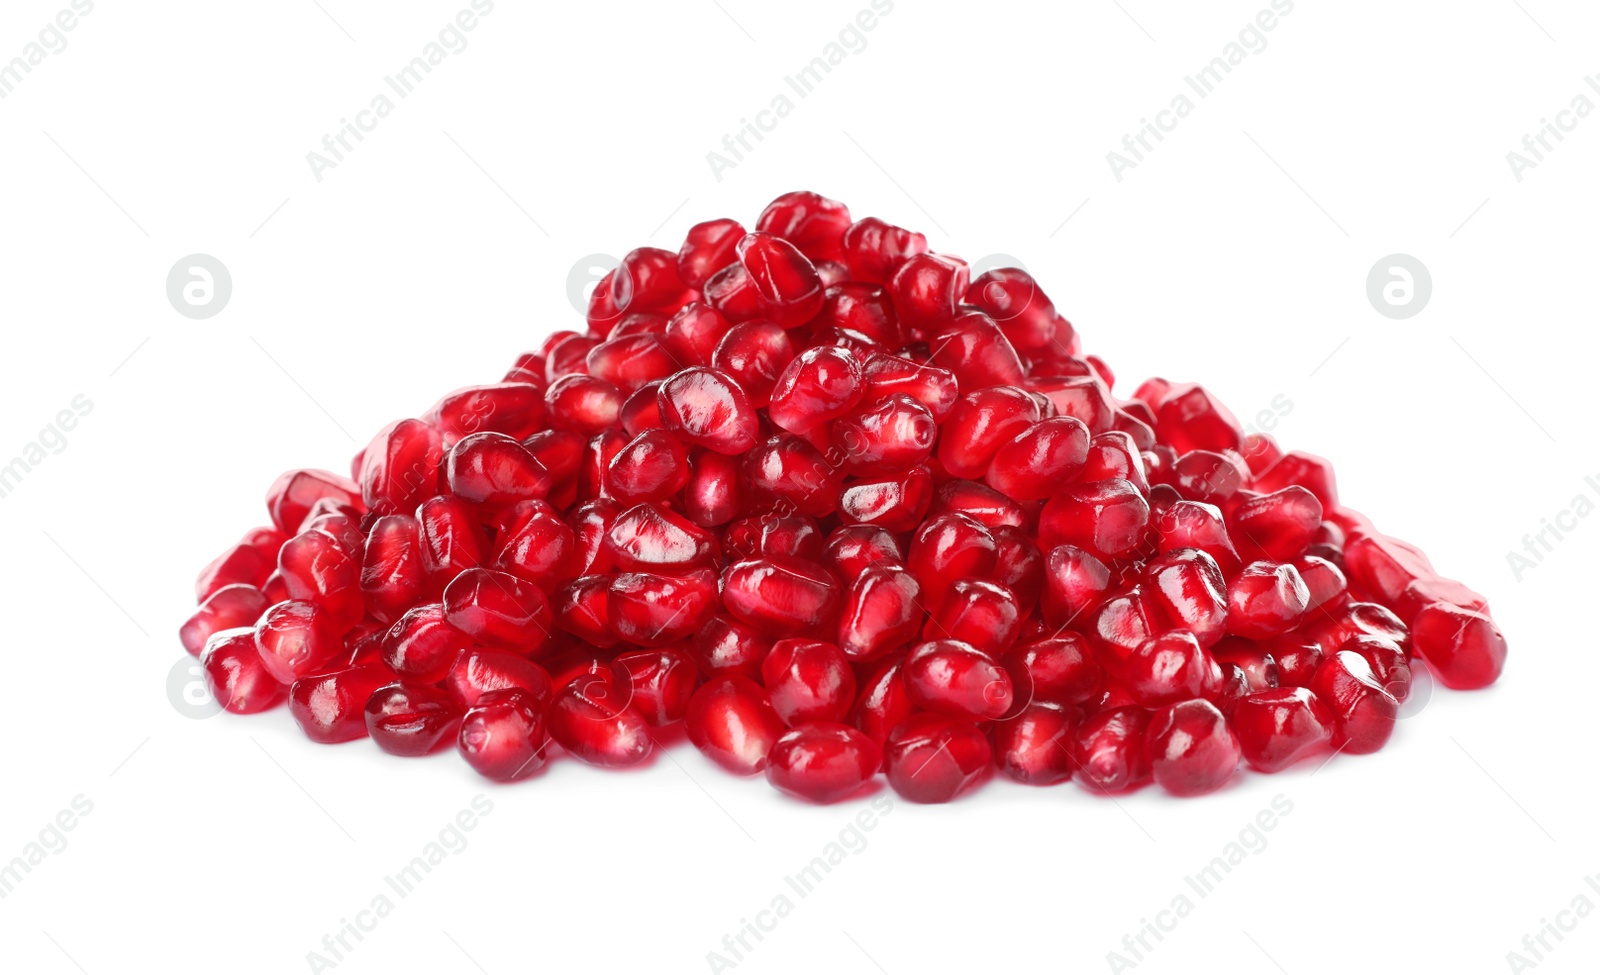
x,y
1235,254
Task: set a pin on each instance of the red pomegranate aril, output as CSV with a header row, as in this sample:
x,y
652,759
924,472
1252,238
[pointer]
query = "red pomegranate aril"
x,y
570,354
591,718
583,404
1035,747
597,457
954,678
1302,469
582,608
1363,712
1112,454
881,611
791,475
754,354
948,547
1325,582
926,290
787,284
1059,669
647,281
1106,517
732,722
1296,656
1167,669
1352,619
714,494
400,468
319,568
515,409
933,758
1018,565
493,469
1257,662
653,466
1108,751
882,704
296,638
656,683
693,333
543,550
1266,599
647,538
873,250
641,411
857,309
451,540
818,385
1276,527
773,534
331,708
708,408
723,646
1040,460
1190,418
422,644
980,424
708,248
889,375
236,675
240,565
1075,582
812,222
986,615
1187,588
1388,662
293,493
892,435
1384,566
1207,476
808,680
1190,748
477,671
1120,625
656,610
409,719
895,504
851,548
498,609
229,608
1082,397
732,293
1421,592
1190,524
974,348
1014,299
780,595
503,736
630,362
1280,726
1462,647
822,761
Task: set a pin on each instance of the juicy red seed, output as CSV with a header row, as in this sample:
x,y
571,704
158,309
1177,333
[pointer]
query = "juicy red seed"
x,y
1257,662
651,467
808,680
229,608
926,290
411,719
656,610
1417,596
851,548
1186,587
1035,747
894,503
1265,600
892,435
1278,526
811,221
1014,299
296,638
1057,670
708,408
1296,467
713,495
493,469
629,362
583,404
1363,712
515,409
592,719
822,761
881,611
874,250
331,708
1464,648
859,310
1388,662
1108,750
772,534
732,294
498,609
1019,565
954,678
318,568
503,736
693,333
732,722
1120,625
933,758
1190,418
1082,397
647,281
1191,749
786,282
1075,582
293,493
400,468
477,671
1325,582
422,644
754,354
724,646
974,348
1167,669
1207,476
583,608
1106,517
887,375
819,385
790,474
240,565
780,595
980,424
451,539
707,249
543,550
648,538
1384,566
948,547
236,674
656,683
985,615
1037,462
1189,524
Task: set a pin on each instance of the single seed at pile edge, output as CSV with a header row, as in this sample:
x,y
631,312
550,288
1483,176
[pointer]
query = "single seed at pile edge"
x,y
842,511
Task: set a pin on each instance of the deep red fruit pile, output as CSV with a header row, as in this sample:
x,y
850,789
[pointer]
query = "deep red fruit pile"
x,y
841,510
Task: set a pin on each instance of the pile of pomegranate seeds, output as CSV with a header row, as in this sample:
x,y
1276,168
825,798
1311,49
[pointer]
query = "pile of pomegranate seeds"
x,y
841,510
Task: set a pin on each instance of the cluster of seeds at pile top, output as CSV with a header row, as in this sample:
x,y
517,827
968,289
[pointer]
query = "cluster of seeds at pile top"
x,y
841,510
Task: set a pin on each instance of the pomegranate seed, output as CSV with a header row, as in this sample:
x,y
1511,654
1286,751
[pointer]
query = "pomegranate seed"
x,y
1190,418
1105,517
1056,670
543,550
411,719
792,475
851,548
319,568
980,424
583,404
1108,750
822,761
732,722
708,248
1363,712
655,610
236,673
1417,596
1186,588
888,375
874,250
1266,599
786,283
714,495
933,758
983,614
515,409
779,595
707,408
1384,566
926,290
771,534
894,503
582,607
808,681
1038,461
592,719
331,708
892,435
1190,748
648,538
450,540
294,639
954,678
493,469
1280,726
241,565
503,736
882,704
811,221
1388,662
754,354
1464,648
476,671
724,646
422,644
497,609
861,311
1075,582
1279,526
948,547
881,611
229,608
656,683
1035,747
1301,469
818,385
292,495
691,336
1167,669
